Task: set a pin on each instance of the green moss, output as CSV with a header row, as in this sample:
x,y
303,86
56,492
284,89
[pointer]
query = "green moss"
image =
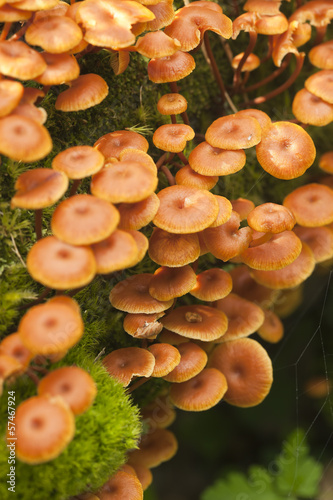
x,y
103,436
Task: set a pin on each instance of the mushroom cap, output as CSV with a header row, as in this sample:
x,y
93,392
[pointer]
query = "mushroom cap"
x,y
320,84
154,448
170,282
9,366
157,44
312,205
272,25
212,285
36,5
116,252
128,362
13,346
321,55
207,160
166,357
188,177
9,14
302,34
290,276
326,162
142,243
143,326
286,151
252,61
132,295
143,474
171,68
248,370
58,265
159,413
173,137
112,144
78,162
84,219
319,239
243,207
84,92
171,104
185,209
271,218
225,211
312,110
245,286
317,13
11,93
61,68
244,22
234,132
124,182
227,241
244,317
201,392
196,322
73,384
171,337
193,361
138,215
264,7
55,34
23,139
276,253
121,486
43,428
173,250
272,329
51,327
18,60
39,188
263,118
132,154
164,15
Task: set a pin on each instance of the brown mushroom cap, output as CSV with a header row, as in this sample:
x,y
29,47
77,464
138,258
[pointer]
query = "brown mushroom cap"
x,y
159,413
310,109
111,145
132,154
166,357
290,276
272,329
132,295
73,384
78,162
234,132
185,210
143,474
84,219
59,265
155,447
9,366
173,137
312,205
193,360
138,215
225,211
124,182
317,13
244,317
61,68
9,14
243,207
326,162
319,239
118,251
18,60
186,176
286,151
207,160
252,61
51,328
265,7
201,392
171,68
172,104
168,283
39,188
55,34
43,428
13,346
121,486
143,326
248,370
164,15
271,218
245,286
196,322
320,84
212,285
321,55
84,92
157,44
142,243
128,362
173,250
11,93
272,25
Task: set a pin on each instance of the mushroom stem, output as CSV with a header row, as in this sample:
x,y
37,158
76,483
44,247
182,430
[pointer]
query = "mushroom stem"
x,y
283,87
270,49
21,31
168,175
270,77
248,51
74,187
320,34
5,31
183,158
38,223
165,158
173,118
212,63
137,384
40,369
174,89
33,376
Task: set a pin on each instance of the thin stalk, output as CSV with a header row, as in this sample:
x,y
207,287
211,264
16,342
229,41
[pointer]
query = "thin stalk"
x,y
168,175
248,51
75,186
283,87
270,49
270,77
38,223
22,30
320,34
175,90
183,158
33,376
5,31
173,119
212,62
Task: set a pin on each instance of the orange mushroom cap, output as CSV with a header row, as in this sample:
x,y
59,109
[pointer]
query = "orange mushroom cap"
x,y
212,285
156,447
321,55
173,137
312,205
310,109
320,84
121,486
170,282
164,15
143,326
171,104
243,207
138,215
55,34
13,346
272,329
173,250
171,68
112,144
157,44
326,162
18,60
78,162
166,357
116,252
61,68
84,92
317,13
128,362
252,61
234,132
319,239
207,160
10,95
193,360
271,218
186,176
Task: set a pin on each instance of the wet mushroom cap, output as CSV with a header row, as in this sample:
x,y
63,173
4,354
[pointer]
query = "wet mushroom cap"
x,y
272,329
138,215
225,211
117,251
39,188
154,448
13,346
84,219
58,265
121,486
263,118
11,93
171,104
252,62
185,209
84,92
271,218
55,34
321,55
320,84
196,322
128,362
61,68
73,384
248,370
170,282
193,360
166,357
234,132
212,285
78,162
186,176
243,207
173,250
143,325
171,68
319,239
113,143
18,60
173,137
286,151
312,205
43,428
201,392
206,160
50,328
157,44
245,286
326,162
312,110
